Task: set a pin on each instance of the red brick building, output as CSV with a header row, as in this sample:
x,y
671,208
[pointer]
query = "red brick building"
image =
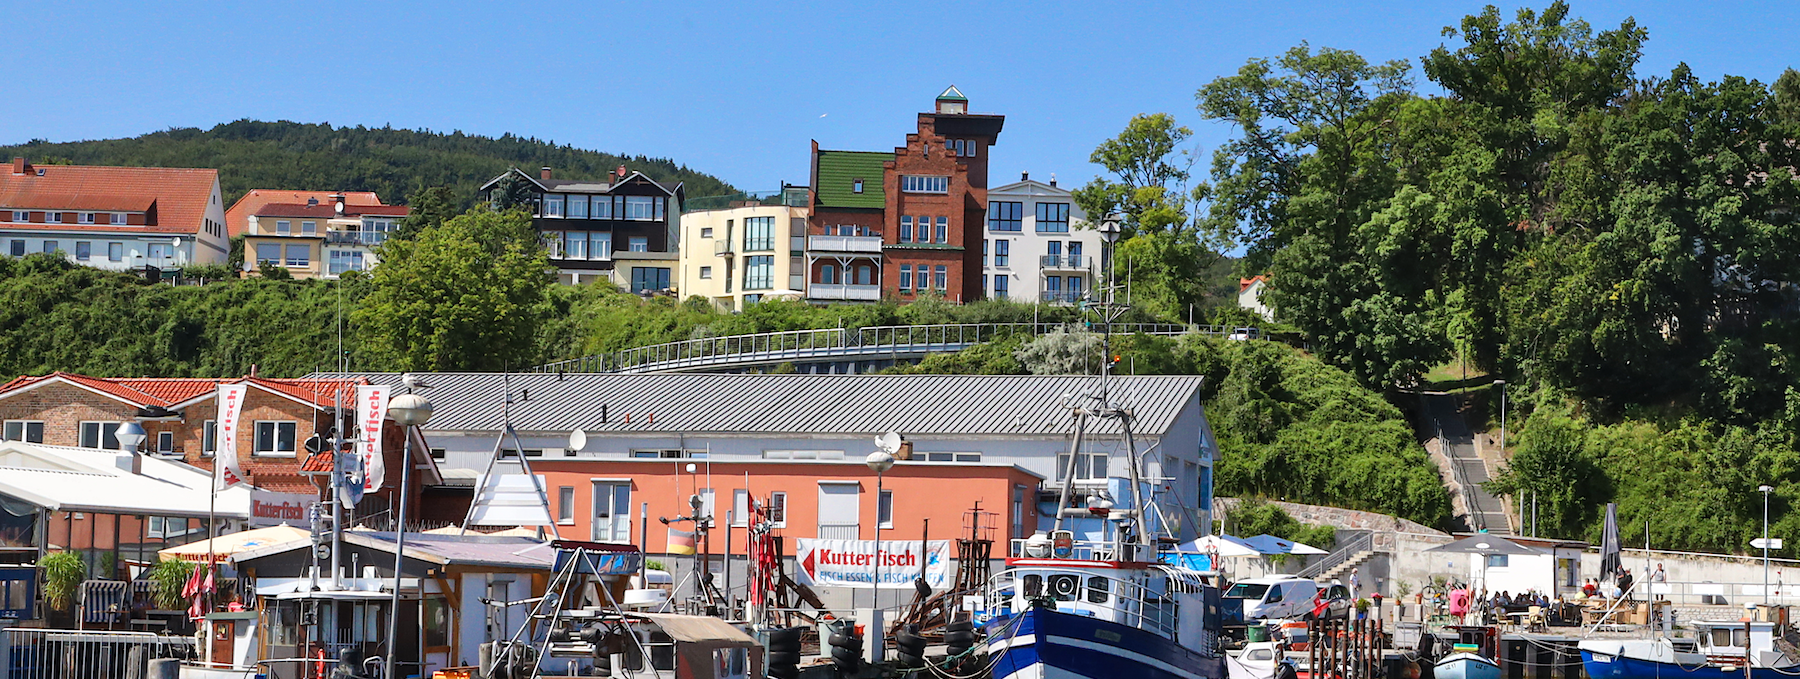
x,y
906,223
177,414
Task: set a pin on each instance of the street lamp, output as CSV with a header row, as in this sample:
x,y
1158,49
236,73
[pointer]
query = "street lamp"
x,y
1766,489
880,461
408,411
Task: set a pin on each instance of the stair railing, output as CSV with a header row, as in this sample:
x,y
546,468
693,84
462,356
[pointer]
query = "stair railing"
x,y
1349,550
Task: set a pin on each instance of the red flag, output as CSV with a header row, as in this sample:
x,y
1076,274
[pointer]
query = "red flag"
x,y
1320,605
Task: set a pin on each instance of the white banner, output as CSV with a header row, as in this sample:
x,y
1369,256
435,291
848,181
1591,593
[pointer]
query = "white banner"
x,y
269,508
851,563
229,470
371,409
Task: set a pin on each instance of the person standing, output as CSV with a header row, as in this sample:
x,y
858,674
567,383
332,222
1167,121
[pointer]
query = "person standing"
x,y
1355,584
1624,579
1658,578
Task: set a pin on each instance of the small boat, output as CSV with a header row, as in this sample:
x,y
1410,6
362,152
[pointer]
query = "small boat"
x,y
1719,651
1465,663
1258,660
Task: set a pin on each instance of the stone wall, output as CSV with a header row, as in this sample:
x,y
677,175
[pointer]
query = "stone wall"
x,y
1336,517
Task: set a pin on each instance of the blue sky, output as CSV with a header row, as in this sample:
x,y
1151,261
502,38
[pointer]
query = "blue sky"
x,y
736,89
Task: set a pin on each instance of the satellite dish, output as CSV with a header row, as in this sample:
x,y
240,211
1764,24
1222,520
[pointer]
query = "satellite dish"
x,y
577,440
888,442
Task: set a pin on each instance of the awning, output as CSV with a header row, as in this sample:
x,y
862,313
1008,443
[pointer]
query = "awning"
x,y
693,628
1485,545
1269,544
224,546
1222,545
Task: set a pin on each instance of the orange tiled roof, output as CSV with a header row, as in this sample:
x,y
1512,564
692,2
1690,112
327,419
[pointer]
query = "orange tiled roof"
x,y
237,219
180,196
169,391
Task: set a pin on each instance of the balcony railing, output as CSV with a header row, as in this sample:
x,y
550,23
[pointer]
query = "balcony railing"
x,y
722,247
346,238
844,243
865,293
1063,261
1060,296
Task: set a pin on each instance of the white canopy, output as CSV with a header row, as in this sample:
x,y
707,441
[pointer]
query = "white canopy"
x,y
1223,545
1269,544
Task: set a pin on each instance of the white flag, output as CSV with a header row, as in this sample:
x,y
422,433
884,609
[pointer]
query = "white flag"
x,y
371,409
228,471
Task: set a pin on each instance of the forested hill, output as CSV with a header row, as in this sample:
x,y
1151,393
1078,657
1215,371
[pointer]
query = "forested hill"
x,y
251,154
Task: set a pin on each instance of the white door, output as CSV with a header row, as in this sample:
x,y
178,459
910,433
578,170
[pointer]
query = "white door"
x,y
840,510
612,511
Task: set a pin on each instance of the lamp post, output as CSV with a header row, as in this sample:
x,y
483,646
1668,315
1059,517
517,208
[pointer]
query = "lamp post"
x,y
1766,489
408,411
880,461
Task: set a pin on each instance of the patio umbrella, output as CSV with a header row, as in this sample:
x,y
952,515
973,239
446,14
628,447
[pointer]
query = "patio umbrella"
x,y
1222,545
1609,543
1269,544
226,545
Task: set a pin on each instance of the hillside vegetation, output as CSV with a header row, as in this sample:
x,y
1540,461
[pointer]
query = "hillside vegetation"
x,y
252,154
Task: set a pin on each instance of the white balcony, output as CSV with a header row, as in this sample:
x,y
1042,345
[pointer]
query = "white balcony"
x,y
830,291
844,244
1062,261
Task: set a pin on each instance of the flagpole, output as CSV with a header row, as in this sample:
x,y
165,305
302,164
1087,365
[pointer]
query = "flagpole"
x,y
212,526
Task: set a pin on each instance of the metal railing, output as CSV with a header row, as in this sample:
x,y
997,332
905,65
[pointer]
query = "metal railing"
x,y
1061,296
844,243
74,654
1347,551
1125,602
828,343
1061,261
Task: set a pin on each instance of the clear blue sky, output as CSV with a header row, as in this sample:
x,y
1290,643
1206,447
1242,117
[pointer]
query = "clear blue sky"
x,y
731,89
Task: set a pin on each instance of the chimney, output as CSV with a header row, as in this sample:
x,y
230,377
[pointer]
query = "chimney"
x,y
544,173
338,202
20,166
1024,176
1053,180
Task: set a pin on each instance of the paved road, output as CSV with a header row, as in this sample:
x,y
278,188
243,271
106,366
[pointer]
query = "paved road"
x,y
1459,445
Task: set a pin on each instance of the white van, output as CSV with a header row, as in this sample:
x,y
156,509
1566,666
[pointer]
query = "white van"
x,y
1280,596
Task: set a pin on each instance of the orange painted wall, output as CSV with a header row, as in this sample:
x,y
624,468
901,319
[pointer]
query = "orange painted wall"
x,y
939,492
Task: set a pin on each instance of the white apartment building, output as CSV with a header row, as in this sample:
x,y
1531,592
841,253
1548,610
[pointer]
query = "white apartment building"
x,y
741,254
115,218
1038,247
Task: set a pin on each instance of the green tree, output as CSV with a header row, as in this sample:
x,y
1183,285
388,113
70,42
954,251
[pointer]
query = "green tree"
x,y
1150,191
467,295
431,207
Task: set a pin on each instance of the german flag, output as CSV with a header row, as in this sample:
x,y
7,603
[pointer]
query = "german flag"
x,y
681,542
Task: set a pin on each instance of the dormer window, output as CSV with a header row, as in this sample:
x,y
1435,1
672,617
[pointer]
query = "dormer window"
x,y
856,186
86,218
53,218
21,216
118,218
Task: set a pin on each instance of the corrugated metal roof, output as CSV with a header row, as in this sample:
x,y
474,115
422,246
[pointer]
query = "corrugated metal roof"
x,y
838,170
923,405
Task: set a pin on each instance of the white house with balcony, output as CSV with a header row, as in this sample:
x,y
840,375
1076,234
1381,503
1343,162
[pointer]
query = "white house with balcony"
x,y
746,252
318,239
1038,246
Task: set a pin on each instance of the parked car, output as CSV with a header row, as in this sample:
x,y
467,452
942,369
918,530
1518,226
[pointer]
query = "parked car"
x,y
1244,334
1281,596
1338,600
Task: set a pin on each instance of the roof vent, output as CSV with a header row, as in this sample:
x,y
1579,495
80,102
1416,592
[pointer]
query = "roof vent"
x,y
1053,180
1024,176
40,172
310,202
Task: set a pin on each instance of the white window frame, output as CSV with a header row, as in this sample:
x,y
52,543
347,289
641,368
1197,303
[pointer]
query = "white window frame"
x,y
99,431
913,183
884,509
256,438
706,232
740,507
21,216
84,217
284,227
309,227
565,505
24,429
706,272
165,442
708,504
777,499
803,455
594,485
209,438
119,218
52,217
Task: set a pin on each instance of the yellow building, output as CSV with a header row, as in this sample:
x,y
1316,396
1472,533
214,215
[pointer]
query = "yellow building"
x,y
318,239
744,253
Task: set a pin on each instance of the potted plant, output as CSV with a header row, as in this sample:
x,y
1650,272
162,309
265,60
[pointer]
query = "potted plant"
x,y
63,573
1362,609
170,576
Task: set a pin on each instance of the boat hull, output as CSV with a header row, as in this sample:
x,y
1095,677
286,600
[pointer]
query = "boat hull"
x,y
1466,666
1041,643
1600,665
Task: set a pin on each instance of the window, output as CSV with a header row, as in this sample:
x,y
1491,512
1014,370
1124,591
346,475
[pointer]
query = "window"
x,y
740,507
115,252
1053,248
952,457
643,208
856,186
1498,560
759,272
961,147
575,245
28,431
439,454
578,207
706,272
604,207
160,251
906,228
884,511
50,247
905,276
638,244
209,438
1018,511
1002,252
100,435
83,250
917,184
943,229
777,509
16,248
1052,287
612,511
600,246
299,255
53,218
553,205
268,253
275,438
803,455
828,274
1075,253
309,228
21,216
1000,285
708,508
1074,287
118,218
864,275
759,234
85,218
940,277
375,231
1053,217
165,442
565,505
1087,466
345,260
648,278
706,232
283,227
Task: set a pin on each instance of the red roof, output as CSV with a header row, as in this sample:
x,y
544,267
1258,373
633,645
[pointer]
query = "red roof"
x,y
180,196
237,219
329,210
170,391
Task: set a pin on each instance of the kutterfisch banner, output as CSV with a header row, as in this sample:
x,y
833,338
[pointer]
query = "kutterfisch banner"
x,y
851,563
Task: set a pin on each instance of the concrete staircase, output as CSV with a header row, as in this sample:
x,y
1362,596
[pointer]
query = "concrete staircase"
x,y
1340,570
1482,511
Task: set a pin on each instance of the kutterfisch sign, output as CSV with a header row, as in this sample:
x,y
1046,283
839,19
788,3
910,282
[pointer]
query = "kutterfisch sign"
x,y
851,563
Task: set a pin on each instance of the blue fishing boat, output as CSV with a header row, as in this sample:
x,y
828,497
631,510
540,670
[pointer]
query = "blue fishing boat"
x,y
1466,665
1720,650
